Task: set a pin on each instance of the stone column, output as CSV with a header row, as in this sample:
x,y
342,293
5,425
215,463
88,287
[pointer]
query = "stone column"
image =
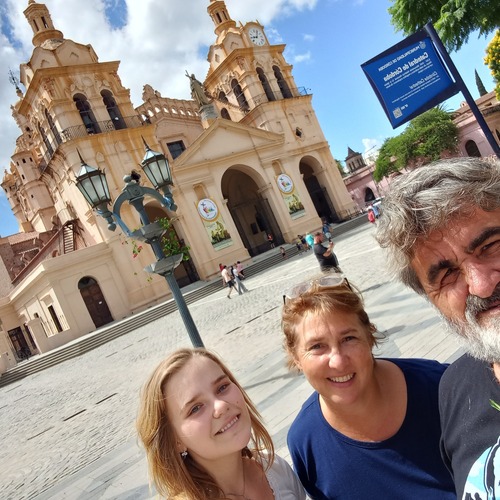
x,y
39,335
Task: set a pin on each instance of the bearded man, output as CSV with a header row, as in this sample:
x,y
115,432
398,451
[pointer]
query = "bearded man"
x,y
441,225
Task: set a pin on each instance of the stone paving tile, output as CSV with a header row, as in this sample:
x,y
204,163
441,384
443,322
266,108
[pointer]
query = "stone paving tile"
x,y
50,450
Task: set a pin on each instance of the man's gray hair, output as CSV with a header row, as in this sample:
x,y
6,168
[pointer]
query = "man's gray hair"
x,y
430,198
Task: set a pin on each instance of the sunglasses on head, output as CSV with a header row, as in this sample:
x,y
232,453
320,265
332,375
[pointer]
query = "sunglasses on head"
x,y
332,280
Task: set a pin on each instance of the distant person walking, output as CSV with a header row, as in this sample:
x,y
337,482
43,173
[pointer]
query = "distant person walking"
x,y
227,280
327,259
240,287
309,240
283,252
371,216
239,268
270,239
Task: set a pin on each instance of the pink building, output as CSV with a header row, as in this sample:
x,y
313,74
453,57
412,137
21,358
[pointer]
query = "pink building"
x,y
359,180
472,141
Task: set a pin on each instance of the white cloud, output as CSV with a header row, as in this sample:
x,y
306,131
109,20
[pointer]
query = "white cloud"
x,y
274,36
298,58
372,147
308,38
370,144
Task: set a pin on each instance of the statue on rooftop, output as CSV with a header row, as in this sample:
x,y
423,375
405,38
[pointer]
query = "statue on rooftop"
x,y
197,91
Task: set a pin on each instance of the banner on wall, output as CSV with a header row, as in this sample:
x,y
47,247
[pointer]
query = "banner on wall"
x,y
214,224
290,196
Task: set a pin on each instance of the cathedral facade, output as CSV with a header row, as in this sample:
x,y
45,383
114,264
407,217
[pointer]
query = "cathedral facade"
x,y
247,154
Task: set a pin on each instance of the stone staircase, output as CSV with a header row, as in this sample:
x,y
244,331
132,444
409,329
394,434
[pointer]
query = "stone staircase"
x,y
118,328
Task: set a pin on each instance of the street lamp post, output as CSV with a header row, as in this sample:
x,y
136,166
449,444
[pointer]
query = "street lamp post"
x,y
93,185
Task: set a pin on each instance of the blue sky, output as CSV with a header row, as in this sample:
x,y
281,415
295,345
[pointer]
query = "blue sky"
x,y
327,41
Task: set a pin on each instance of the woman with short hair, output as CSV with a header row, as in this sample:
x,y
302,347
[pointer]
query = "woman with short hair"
x,y
371,429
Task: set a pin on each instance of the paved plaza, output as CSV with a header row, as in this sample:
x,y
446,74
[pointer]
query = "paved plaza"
x,y
68,431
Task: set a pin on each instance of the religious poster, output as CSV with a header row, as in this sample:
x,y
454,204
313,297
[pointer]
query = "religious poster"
x,y
290,196
214,224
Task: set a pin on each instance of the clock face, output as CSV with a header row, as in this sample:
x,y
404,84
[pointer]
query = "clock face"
x,y
256,36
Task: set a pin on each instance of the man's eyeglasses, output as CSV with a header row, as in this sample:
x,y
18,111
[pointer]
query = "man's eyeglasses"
x,y
332,280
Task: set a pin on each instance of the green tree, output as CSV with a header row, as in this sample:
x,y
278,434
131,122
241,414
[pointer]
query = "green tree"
x,y
340,166
170,242
492,59
425,139
454,20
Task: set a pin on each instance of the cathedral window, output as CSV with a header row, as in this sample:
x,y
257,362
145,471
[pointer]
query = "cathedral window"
x,y
45,139
265,84
282,84
86,114
225,114
53,128
472,149
113,110
176,148
240,96
222,97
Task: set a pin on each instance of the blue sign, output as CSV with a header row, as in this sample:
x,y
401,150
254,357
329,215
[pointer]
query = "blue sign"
x,y
409,78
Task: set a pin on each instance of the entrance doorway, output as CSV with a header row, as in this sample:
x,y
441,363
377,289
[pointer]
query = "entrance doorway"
x,y
95,301
185,273
369,195
251,212
319,195
19,343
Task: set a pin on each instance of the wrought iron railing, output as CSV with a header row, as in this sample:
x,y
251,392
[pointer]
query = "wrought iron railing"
x,y
274,96
262,98
79,131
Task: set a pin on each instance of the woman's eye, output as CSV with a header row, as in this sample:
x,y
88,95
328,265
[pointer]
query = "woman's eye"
x,y
223,387
315,347
195,409
348,338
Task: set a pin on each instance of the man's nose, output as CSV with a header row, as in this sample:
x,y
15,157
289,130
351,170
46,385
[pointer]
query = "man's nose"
x,y
482,279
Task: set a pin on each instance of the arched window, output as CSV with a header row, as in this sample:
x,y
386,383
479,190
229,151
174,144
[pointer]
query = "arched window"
x,y
225,114
283,85
53,128
472,149
45,139
238,92
265,85
113,110
86,114
222,97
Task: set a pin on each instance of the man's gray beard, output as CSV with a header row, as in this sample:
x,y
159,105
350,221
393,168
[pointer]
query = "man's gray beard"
x,y
481,342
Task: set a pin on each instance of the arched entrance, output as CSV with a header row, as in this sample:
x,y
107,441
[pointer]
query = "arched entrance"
x,y
319,196
95,301
369,196
250,210
472,149
185,273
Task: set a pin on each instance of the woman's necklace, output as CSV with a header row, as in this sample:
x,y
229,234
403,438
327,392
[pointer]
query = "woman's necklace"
x,y
240,495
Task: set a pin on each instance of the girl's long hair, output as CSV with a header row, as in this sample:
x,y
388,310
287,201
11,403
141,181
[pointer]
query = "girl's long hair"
x,y
173,476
